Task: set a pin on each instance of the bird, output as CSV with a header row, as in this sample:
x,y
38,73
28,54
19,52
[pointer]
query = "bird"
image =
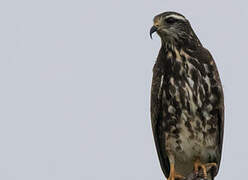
x,y
187,101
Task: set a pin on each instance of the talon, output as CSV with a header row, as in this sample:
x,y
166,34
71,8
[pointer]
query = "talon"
x,y
198,165
174,175
205,167
211,165
179,177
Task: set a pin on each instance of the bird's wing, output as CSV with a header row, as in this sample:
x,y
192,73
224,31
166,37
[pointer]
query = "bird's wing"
x,y
204,56
156,115
220,113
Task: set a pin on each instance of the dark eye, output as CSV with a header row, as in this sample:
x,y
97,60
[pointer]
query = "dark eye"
x,y
170,20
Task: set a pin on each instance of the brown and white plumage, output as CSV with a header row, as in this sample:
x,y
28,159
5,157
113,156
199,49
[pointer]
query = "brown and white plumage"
x,y
187,104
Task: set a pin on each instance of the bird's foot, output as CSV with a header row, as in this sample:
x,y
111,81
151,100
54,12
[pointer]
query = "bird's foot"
x,y
174,175
204,167
211,166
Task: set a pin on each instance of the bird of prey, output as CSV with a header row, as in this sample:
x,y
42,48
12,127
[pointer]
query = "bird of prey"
x,y
187,103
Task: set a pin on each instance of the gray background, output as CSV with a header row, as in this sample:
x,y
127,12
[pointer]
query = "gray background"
x,y
75,86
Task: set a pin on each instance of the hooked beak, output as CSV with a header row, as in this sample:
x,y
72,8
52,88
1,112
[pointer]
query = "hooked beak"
x,y
152,30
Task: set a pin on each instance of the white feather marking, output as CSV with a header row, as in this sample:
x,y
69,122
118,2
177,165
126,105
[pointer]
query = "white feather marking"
x,y
161,84
169,55
208,82
212,98
177,95
191,82
171,109
176,17
172,80
209,107
199,100
183,53
193,106
206,115
178,57
190,65
206,68
164,94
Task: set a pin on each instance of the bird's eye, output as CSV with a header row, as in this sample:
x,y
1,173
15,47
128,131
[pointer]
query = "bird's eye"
x,y
170,20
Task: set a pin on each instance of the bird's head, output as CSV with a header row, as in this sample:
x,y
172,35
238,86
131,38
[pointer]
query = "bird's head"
x,y
174,29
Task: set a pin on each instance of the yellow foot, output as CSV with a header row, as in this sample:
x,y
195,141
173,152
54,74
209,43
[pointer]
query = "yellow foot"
x,y
173,174
211,165
205,167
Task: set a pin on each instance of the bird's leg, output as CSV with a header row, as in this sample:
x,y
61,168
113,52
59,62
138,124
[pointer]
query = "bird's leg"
x,y
198,165
210,166
204,167
173,174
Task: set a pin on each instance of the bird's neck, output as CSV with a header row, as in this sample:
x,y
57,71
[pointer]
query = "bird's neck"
x,y
190,42
172,52
174,47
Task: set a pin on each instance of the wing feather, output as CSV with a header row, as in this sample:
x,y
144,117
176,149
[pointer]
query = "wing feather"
x,y
204,56
156,116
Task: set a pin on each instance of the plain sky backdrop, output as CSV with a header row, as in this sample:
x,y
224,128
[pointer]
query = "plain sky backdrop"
x,y
75,86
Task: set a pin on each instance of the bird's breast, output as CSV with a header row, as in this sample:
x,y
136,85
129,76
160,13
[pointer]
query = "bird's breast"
x,y
188,101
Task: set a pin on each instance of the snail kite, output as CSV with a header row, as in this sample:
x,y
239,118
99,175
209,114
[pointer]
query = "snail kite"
x,y
187,103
